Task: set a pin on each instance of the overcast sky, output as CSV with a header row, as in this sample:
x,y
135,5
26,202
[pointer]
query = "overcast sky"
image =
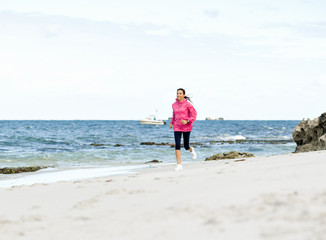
x,y
101,59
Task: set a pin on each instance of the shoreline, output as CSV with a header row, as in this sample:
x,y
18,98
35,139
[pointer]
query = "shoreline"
x,y
54,175
277,197
61,174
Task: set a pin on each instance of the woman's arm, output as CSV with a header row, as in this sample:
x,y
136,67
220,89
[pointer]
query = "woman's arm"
x,y
192,113
173,119
173,116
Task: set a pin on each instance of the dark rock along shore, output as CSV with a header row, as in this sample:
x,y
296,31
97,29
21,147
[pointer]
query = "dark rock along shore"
x,y
229,155
310,135
13,170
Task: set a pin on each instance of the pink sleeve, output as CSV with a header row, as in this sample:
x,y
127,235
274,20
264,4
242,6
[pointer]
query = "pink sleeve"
x,y
173,117
192,113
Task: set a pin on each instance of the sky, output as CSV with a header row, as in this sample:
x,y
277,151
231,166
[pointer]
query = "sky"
x,y
124,60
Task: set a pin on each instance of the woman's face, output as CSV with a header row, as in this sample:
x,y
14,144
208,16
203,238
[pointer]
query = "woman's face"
x,y
180,95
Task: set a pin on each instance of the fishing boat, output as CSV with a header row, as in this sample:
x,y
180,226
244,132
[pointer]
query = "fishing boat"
x,y
218,119
151,120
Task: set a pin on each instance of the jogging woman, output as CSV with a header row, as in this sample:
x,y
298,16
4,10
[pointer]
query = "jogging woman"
x,y
184,115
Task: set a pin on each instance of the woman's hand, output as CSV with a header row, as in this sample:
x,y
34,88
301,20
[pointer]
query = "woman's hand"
x,y
184,122
171,125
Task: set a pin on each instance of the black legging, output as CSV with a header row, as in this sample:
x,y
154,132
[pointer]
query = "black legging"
x,y
186,139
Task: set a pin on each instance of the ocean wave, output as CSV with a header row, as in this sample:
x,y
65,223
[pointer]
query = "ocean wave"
x,y
50,141
284,137
220,138
233,138
272,137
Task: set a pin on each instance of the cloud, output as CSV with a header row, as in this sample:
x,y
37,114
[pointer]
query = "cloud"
x,y
310,30
211,13
234,58
161,32
52,30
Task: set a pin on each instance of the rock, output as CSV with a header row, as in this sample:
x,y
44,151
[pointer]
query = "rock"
x,y
147,143
154,161
310,135
229,155
154,143
158,144
105,145
240,160
97,144
13,170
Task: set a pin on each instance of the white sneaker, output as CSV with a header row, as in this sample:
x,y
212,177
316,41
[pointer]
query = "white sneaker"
x,y
178,168
193,153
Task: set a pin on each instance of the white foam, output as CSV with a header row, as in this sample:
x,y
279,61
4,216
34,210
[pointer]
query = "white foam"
x,y
234,138
284,137
69,175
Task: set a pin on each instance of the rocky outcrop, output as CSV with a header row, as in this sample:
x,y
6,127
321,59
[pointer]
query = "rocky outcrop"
x,y
229,155
154,143
13,170
310,135
154,161
99,144
105,145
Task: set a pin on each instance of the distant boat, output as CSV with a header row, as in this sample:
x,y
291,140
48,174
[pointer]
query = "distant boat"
x,y
218,119
151,120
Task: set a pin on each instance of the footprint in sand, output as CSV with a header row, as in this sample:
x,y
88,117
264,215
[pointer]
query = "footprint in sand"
x,y
211,221
5,221
86,203
112,192
35,207
31,218
83,218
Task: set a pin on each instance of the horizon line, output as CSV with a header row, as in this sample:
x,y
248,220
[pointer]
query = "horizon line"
x,y
140,119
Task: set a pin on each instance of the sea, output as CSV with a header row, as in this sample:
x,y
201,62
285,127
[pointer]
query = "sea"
x,y
83,149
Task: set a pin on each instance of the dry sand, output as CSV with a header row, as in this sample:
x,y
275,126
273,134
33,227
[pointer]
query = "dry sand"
x,y
279,197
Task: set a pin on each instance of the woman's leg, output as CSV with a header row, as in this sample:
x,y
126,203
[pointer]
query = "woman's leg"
x,y
186,140
178,156
177,138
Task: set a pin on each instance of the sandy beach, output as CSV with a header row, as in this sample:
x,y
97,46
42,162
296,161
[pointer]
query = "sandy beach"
x,y
278,197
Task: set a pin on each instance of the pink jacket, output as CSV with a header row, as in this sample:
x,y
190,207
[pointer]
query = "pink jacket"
x,y
183,110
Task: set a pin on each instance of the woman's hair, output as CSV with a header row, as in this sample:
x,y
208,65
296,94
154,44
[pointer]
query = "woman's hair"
x,y
184,92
